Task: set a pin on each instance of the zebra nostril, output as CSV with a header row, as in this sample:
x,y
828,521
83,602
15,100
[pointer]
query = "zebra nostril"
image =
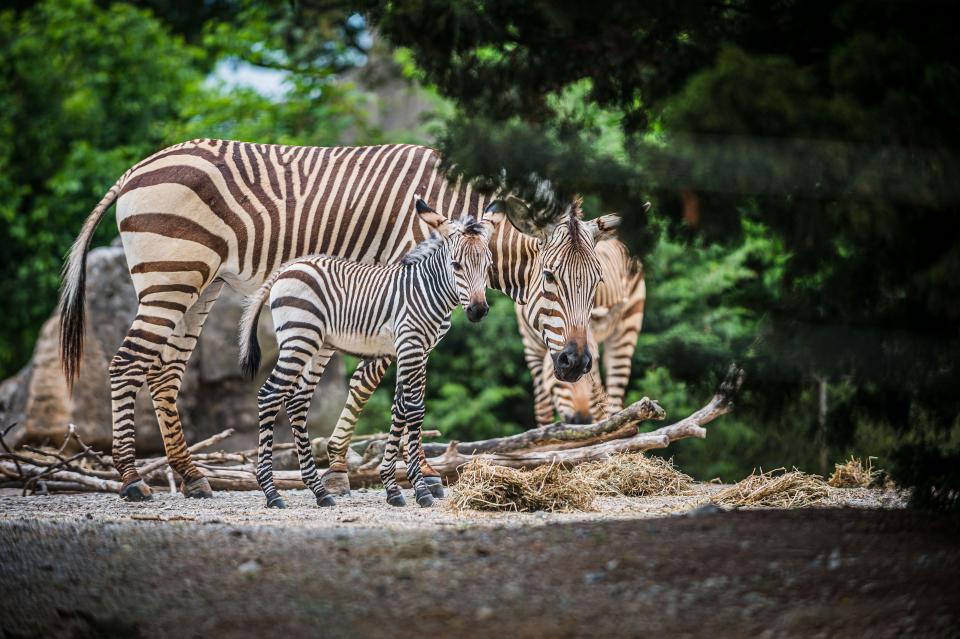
x,y
564,360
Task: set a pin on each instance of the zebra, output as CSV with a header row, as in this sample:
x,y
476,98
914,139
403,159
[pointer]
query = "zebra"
x,y
567,243
207,213
324,304
615,323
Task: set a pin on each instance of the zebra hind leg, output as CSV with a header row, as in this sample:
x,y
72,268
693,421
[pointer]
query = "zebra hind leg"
x,y
164,381
297,407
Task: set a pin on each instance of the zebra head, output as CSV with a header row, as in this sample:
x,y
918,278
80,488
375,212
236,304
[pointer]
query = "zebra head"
x,y
468,244
563,273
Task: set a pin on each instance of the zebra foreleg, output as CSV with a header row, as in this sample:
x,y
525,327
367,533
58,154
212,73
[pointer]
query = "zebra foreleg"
x,y
297,407
388,465
618,360
365,380
409,399
542,401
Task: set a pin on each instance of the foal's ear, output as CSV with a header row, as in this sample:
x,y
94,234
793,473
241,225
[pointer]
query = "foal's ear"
x,y
433,219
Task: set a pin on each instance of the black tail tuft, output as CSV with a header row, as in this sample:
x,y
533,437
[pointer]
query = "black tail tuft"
x,y
72,311
250,362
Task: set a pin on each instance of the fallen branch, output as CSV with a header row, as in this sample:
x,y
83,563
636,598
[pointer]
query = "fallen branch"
x,y
453,458
159,462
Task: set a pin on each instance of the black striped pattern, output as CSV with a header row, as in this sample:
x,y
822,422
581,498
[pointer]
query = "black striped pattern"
x,y
208,212
324,304
616,322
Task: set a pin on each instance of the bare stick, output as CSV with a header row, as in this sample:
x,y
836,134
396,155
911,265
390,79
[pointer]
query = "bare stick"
x,y
151,466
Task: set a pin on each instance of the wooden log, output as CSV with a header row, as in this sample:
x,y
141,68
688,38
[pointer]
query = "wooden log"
x,y
692,426
621,424
159,462
29,471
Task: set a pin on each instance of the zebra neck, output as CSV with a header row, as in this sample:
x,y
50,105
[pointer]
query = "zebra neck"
x,y
435,274
516,263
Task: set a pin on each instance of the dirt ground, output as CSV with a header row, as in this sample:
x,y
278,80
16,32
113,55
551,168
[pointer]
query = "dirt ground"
x,y
93,566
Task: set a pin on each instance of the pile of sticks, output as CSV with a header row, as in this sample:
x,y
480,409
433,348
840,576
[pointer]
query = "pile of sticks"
x,y
44,470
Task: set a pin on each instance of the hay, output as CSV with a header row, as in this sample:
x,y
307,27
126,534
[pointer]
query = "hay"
x,y
487,486
778,488
853,474
636,475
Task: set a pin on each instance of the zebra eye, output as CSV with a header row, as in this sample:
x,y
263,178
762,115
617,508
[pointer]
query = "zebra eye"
x,y
457,266
548,277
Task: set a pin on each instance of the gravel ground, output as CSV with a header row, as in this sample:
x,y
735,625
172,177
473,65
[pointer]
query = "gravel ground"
x,y
92,566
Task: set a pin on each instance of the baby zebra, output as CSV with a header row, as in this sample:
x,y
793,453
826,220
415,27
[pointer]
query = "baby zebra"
x,y
323,304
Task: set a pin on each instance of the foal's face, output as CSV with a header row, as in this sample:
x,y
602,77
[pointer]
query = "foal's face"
x,y
471,259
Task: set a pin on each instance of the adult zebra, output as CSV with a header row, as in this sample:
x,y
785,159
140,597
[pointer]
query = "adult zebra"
x,y
615,323
203,213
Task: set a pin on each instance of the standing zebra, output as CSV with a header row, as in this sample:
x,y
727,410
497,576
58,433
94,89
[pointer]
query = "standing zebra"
x,y
324,304
615,323
203,213
552,295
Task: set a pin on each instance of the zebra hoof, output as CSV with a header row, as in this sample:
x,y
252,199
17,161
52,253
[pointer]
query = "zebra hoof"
x,y
336,483
137,491
424,498
396,499
197,489
276,502
434,485
326,501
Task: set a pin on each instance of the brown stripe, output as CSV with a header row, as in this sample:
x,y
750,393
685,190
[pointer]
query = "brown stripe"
x,y
175,226
172,267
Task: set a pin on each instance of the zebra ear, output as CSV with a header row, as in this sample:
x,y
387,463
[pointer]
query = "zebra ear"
x,y
433,219
494,213
603,227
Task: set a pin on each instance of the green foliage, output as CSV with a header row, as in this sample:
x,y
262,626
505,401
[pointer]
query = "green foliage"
x,y
831,124
89,90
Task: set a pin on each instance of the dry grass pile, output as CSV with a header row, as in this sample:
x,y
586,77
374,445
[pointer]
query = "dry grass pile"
x,y
853,474
636,475
777,488
486,486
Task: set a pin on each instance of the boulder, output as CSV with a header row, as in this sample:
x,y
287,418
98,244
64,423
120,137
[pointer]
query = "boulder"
x,y
214,395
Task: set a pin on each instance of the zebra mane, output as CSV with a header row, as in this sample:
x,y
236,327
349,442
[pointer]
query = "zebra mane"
x,y
426,248
471,226
423,250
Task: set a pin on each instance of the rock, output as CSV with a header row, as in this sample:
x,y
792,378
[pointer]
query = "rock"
x,y
214,395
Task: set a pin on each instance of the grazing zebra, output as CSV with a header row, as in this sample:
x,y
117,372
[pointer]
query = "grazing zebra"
x,y
324,304
205,213
615,322
558,272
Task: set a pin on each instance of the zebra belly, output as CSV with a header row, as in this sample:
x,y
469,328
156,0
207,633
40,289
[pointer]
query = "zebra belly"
x,y
364,345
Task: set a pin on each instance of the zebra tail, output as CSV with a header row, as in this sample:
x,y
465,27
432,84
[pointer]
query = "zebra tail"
x,y
73,284
249,344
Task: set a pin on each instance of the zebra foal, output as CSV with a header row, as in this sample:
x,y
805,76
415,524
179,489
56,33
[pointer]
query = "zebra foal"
x,y
323,304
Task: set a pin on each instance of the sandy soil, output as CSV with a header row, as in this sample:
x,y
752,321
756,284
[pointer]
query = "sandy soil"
x,y
91,565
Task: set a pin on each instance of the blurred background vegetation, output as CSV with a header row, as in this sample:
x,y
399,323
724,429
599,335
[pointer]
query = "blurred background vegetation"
x,y
801,158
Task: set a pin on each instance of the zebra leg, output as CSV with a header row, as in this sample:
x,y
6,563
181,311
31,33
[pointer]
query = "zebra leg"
x,y
409,402
388,465
297,407
139,352
363,383
432,478
618,360
280,386
542,402
164,382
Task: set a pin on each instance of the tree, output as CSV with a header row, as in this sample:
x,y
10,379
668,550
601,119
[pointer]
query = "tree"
x,y
831,125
